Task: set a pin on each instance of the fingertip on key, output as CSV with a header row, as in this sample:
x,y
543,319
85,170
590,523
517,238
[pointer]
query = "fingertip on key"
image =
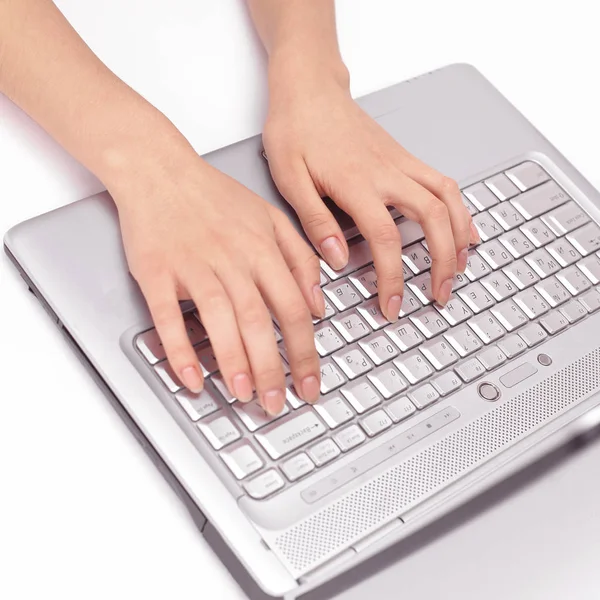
x,y
334,253
311,389
393,308
445,291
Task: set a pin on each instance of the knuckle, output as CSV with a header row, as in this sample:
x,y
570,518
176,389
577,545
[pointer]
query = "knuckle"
x,y
316,220
385,233
436,210
449,187
255,316
296,315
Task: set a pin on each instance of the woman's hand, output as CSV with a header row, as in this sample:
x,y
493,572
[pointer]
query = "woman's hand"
x,y
320,143
192,232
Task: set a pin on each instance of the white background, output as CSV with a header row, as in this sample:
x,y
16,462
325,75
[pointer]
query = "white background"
x,y
83,513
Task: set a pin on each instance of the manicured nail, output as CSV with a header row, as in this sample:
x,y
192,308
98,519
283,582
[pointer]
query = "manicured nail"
x,y
474,238
273,401
311,389
319,301
334,253
242,387
445,291
191,378
461,260
393,308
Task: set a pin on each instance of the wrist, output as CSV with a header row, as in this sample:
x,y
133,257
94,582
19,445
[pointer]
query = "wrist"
x,y
307,68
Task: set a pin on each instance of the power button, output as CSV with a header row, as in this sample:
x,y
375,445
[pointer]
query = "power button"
x,y
488,391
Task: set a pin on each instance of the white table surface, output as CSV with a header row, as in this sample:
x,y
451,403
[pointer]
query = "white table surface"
x,y
83,513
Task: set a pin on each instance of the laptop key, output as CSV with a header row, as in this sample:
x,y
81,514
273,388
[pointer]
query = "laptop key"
x,y
533,334
414,367
495,254
586,240
455,311
499,286
207,360
542,263
446,383
349,438
327,339
553,291
492,357
264,485
242,461
486,327
517,244
476,266
574,280
404,335
254,416
464,340
219,431
538,232
540,200
527,175
567,217
481,196
590,300
331,377
487,226
197,406
334,410
379,348
387,380
424,396
502,187
512,345
350,325
429,321
574,311
297,466
400,409
323,452
365,281
168,377
342,294
290,433
376,422
521,274
439,353
554,322
361,395
370,311
590,267
417,258
476,297
470,370
352,362
563,251
509,315
532,303
149,344
507,215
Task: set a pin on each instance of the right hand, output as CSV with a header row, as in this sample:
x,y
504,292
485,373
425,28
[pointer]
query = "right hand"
x,y
192,232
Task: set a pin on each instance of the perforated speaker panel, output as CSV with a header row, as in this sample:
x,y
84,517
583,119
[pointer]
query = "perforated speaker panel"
x,y
345,521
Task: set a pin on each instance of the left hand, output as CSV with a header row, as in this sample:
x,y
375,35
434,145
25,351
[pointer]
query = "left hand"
x,y
321,143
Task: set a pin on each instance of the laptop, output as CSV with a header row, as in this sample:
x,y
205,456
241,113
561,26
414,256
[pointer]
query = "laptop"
x,y
417,417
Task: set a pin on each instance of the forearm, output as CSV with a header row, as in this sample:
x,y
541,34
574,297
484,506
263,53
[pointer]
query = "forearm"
x,y
300,37
47,70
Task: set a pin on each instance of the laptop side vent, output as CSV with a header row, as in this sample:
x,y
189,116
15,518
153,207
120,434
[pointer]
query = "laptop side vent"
x,y
337,526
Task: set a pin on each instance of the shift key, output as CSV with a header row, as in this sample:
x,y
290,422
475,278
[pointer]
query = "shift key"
x,y
288,434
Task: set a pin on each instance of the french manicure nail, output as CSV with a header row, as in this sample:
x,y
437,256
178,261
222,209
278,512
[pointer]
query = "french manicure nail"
x,y
191,378
445,291
242,387
273,402
461,260
310,389
475,237
393,308
334,253
319,301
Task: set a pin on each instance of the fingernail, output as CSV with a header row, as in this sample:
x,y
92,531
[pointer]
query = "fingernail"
x,y
445,291
393,308
242,387
319,301
311,389
461,260
273,401
191,378
334,253
474,238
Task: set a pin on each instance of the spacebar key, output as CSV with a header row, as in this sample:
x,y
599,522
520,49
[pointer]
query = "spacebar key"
x,y
288,434
378,455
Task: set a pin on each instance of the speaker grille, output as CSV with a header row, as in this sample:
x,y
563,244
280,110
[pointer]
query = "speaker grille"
x,y
337,526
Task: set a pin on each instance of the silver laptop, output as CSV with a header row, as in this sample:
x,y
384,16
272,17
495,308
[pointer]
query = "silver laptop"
x,y
416,418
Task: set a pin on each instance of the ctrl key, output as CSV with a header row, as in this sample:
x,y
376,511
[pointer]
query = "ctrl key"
x,y
264,485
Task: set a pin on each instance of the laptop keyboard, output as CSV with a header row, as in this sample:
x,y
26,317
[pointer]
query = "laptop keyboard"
x,y
534,273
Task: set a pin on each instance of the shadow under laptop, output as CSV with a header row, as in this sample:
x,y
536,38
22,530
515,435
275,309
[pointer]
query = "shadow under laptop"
x,y
517,482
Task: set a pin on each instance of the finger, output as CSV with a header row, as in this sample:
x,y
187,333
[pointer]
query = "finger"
x,y
218,318
285,300
256,329
431,213
378,228
302,262
297,187
448,192
161,296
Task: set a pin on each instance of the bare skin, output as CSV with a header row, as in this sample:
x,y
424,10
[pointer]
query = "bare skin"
x,y
187,227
